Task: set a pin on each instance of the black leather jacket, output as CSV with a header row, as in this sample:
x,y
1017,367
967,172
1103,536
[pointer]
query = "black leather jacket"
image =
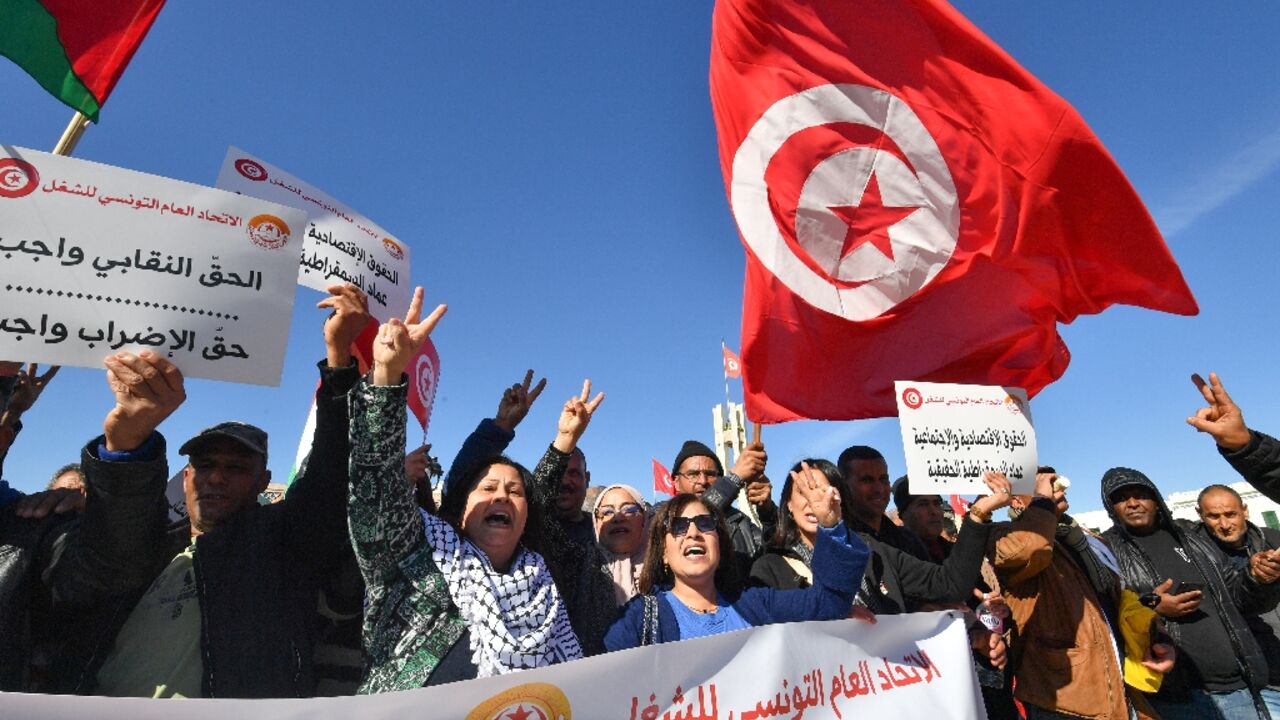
x,y
1230,592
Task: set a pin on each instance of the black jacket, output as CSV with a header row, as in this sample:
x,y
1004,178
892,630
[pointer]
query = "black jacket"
x,y
1228,590
896,581
1259,463
257,576
26,547
1264,622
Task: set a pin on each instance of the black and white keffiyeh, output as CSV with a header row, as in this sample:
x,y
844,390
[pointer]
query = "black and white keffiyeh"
x,y
517,619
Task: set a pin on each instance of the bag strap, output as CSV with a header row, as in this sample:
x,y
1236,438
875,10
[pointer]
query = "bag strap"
x,y
649,632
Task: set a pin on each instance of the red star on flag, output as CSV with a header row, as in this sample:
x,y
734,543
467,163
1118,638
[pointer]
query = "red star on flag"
x,y
869,221
519,714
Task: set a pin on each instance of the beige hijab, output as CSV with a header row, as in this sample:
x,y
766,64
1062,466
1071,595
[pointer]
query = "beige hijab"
x,y
624,569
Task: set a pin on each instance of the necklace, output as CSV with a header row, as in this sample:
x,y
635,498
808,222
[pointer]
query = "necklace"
x,y
706,611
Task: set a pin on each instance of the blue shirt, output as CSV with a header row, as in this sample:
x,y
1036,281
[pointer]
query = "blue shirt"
x,y
694,624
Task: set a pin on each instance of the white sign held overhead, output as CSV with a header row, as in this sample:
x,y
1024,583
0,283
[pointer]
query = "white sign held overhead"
x,y
954,434
97,259
340,245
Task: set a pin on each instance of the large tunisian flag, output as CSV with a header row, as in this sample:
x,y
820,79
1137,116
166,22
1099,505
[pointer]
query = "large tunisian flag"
x,y
914,206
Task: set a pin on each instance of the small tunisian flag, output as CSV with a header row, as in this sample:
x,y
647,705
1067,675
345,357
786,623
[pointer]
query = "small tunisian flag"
x,y
914,205
423,371
75,49
732,365
662,479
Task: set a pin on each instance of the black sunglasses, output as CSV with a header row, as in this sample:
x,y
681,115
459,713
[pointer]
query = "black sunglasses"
x,y
680,525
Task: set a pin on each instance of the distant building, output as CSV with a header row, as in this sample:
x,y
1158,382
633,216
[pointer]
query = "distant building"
x,y
1262,510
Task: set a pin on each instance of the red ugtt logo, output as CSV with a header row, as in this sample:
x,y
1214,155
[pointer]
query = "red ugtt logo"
x,y
911,398
17,178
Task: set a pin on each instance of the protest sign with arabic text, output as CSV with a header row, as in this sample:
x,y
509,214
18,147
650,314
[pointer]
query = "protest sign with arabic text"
x,y
340,245
916,665
97,259
954,434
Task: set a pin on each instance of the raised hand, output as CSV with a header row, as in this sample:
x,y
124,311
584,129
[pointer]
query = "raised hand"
x,y
398,340
516,401
814,486
148,388
1047,487
416,464
27,392
1222,419
760,491
751,462
350,315
575,417
1001,494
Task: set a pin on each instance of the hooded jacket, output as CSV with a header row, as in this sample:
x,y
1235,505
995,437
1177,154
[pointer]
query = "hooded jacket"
x,y
1227,589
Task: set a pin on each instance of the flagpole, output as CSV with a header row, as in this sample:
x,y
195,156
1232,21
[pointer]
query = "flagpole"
x,y
71,136
723,351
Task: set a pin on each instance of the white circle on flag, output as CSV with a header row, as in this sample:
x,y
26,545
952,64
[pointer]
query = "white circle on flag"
x,y
426,386
922,241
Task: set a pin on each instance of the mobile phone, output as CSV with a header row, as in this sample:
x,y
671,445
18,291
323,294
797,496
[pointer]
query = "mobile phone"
x,y
1186,587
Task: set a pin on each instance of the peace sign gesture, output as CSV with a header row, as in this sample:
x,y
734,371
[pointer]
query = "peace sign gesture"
x,y
516,401
575,417
397,341
824,500
1222,419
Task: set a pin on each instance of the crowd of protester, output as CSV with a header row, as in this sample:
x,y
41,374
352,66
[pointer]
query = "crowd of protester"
x,y
514,569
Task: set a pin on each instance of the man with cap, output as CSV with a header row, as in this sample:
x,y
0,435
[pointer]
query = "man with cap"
x,y
222,604
866,481
697,470
922,515
1185,578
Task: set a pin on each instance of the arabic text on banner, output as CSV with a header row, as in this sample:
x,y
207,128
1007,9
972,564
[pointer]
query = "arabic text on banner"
x,y
916,665
96,259
954,434
339,245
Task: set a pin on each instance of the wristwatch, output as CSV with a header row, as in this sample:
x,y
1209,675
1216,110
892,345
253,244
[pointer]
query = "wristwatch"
x,y
1150,600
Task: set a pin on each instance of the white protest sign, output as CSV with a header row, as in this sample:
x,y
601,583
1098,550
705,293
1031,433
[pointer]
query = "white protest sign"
x,y
96,259
340,244
955,434
904,666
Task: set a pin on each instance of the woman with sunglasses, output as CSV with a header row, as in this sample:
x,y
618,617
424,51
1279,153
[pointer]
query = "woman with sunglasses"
x,y
683,584
621,518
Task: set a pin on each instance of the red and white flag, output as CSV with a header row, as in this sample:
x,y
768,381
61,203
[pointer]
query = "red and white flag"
x,y
662,479
732,365
423,372
959,506
914,205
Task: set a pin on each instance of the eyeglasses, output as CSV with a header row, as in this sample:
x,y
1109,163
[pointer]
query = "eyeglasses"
x,y
604,512
694,474
680,525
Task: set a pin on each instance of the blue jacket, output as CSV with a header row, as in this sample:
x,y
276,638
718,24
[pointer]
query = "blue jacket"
x,y
839,558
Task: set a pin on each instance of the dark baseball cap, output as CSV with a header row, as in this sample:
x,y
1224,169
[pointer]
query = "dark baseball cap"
x,y
250,437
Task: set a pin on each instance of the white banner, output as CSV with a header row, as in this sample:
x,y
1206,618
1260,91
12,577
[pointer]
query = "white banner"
x,y
96,259
341,245
904,666
955,434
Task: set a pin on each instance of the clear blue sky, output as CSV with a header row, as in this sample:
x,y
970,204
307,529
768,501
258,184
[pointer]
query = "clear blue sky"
x,y
554,166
